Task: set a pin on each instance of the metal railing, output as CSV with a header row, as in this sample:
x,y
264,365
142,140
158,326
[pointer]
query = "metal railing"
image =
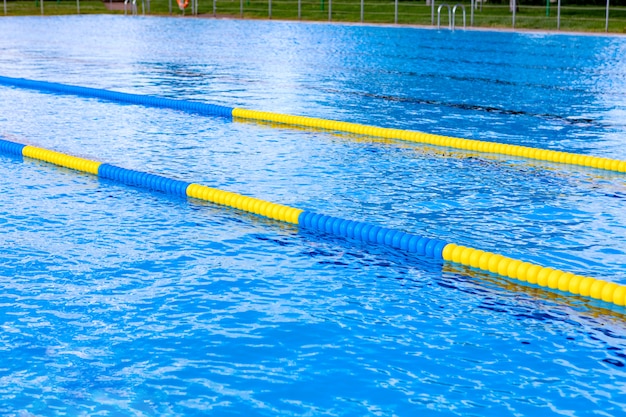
x,y
456,6
451,15
441,6
482,13
553,16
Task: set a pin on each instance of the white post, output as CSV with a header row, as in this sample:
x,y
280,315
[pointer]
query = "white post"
x,y
269,2
432,12
396,13
299,9
5,7
41,2
606,28
558,15
362,9
330,10
514,10
78,6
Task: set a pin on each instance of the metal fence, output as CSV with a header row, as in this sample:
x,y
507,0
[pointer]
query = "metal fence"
x,y
552,16
452,14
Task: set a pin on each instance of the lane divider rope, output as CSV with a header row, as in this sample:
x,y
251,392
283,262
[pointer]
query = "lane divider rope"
x,y
608,164
438,140
423,246
116,96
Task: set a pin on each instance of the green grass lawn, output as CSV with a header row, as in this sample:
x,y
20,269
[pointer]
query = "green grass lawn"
x,y
584,19
25,8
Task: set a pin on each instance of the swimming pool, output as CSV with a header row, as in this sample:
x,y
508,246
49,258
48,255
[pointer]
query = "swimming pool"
x,y
121,301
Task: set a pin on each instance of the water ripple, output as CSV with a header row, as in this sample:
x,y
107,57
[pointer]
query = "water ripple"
x,y
121,301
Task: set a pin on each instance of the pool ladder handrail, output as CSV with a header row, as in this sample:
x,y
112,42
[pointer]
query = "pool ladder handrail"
x,y
473,6
447,6
451,15
133,7
454,15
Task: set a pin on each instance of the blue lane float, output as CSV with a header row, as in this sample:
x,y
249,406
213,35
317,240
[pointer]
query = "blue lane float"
x,y
11,148
370,233
143,180
143,100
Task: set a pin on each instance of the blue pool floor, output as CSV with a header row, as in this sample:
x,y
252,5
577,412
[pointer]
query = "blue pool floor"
x,y
121,301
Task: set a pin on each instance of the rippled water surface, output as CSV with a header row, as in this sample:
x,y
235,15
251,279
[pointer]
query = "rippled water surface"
x,y
120,301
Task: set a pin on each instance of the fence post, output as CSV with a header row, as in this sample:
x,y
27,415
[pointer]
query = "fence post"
x,y
330,10
558,15
514,10
606,27
432,12
362,9
241,8
299,9
395,20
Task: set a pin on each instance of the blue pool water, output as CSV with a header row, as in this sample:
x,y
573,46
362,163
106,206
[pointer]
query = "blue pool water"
x,y
119,301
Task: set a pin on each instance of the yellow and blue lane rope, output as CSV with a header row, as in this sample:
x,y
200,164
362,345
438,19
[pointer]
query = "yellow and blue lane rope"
x,y
423,246
333,125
